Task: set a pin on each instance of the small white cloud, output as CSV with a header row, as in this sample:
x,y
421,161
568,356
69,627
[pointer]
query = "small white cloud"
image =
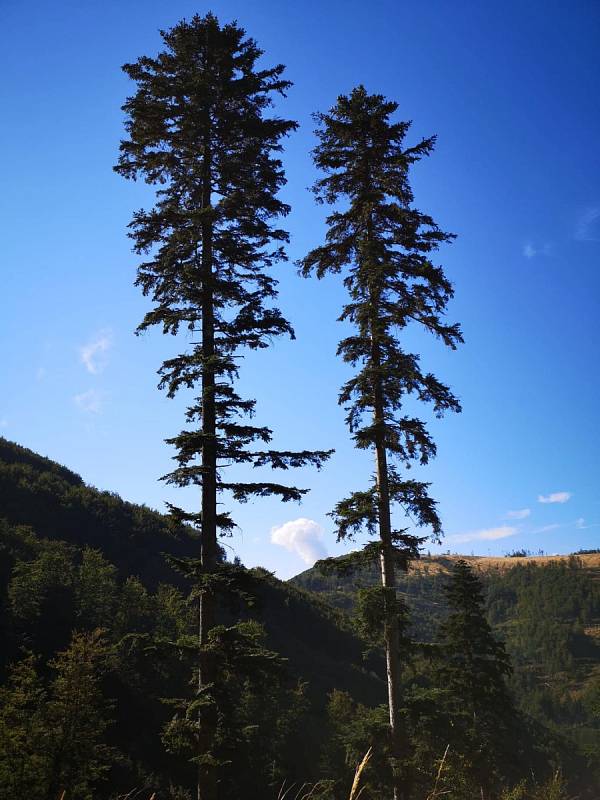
x,y
3,422
91,401
41,373
547,528
529,251
521,513
93,355
487,534
555,497
588,225
301,536
580,524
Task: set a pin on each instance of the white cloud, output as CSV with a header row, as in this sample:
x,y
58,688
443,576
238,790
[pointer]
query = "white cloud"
x,y
3,422
588,225
301,536
93,355
41,373
547,528
91,401
487,534
580,524
555,497
521,513
529,251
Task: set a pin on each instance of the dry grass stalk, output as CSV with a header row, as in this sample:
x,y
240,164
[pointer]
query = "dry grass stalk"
x,y
310,794
134,793
355,793
435,793
283,792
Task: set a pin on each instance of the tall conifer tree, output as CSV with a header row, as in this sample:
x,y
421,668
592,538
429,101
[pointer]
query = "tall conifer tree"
x,y
198,129
383,246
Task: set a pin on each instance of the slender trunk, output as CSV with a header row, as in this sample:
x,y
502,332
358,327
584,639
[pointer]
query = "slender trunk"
x,y
391,631
207,718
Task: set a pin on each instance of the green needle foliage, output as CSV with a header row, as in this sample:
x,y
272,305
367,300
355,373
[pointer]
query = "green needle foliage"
x,y
51,739
473,669
383,247
198,129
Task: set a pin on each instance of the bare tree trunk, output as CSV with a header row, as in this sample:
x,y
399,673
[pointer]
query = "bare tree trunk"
x,y
391,631
207,718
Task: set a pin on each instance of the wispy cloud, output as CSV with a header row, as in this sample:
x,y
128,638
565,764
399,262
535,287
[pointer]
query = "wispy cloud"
x,y
555,497
580,524
93,355
92,401
301,536
3,422
547,528
486,534
521,513
531,251
41,373
588,225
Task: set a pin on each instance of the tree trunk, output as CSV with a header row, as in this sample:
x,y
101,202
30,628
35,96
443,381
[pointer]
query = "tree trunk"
x,y
391,631
207,718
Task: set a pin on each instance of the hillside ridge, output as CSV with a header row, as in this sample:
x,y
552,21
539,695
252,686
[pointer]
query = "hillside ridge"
x,y
444,563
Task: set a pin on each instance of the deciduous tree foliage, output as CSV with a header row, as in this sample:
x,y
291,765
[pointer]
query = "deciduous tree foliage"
x,y
383,246
199,130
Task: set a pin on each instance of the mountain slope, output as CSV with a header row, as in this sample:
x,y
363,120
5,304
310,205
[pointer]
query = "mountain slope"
x,y
73,558
58,506
547,610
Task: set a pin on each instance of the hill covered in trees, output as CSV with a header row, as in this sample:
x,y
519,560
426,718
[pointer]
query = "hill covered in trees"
x,y
547,611
97,648
86,574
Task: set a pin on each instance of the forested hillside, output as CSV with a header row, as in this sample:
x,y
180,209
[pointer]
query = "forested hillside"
x,y
97,644
88,599
547,611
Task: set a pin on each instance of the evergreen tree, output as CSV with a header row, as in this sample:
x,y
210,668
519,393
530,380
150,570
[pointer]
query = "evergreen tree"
x,y
52,739
383,247
473,669
198,129
23,756
77,714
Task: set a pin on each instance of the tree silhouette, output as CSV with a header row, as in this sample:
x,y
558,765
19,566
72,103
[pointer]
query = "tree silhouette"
x,y
198,129
473,668
382,245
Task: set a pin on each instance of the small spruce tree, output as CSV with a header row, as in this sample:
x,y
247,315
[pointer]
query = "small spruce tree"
x,y
473,668
52,737
77,714
24,758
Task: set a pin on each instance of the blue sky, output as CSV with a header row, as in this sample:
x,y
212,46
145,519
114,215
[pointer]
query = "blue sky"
x,y
512,91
